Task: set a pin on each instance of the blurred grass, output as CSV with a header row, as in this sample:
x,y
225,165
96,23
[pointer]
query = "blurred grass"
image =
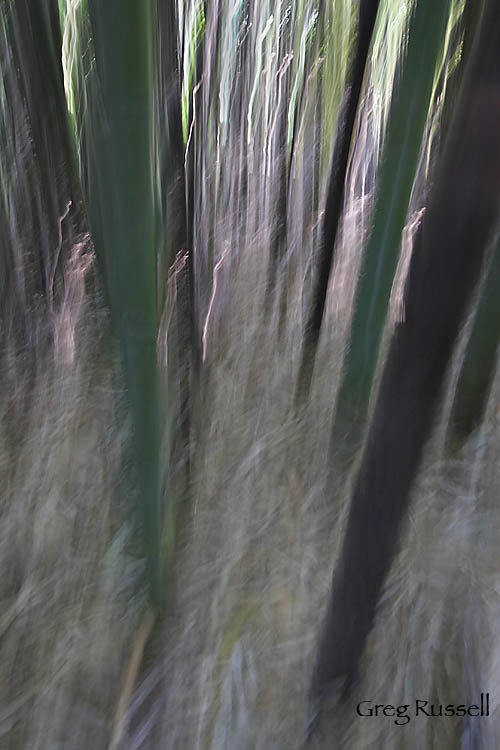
x,y
69,600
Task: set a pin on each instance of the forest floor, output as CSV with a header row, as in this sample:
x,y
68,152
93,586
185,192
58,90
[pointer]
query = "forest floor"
x,y
230,666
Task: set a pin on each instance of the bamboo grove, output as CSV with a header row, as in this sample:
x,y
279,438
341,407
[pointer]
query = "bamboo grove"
x,y
181,140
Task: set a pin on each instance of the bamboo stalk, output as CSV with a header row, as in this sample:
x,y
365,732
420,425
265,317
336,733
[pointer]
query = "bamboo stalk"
x,y
408,115
122,211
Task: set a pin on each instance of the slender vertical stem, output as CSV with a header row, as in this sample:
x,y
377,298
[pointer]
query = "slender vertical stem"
x,y
463,210
123,223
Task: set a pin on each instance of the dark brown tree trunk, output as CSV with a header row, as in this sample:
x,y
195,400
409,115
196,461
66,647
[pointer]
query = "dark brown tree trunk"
x,y
478,369
178,206
335,196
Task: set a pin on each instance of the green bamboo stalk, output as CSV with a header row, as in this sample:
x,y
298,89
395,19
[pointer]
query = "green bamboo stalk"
x,y
462,213
122,213
408,115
